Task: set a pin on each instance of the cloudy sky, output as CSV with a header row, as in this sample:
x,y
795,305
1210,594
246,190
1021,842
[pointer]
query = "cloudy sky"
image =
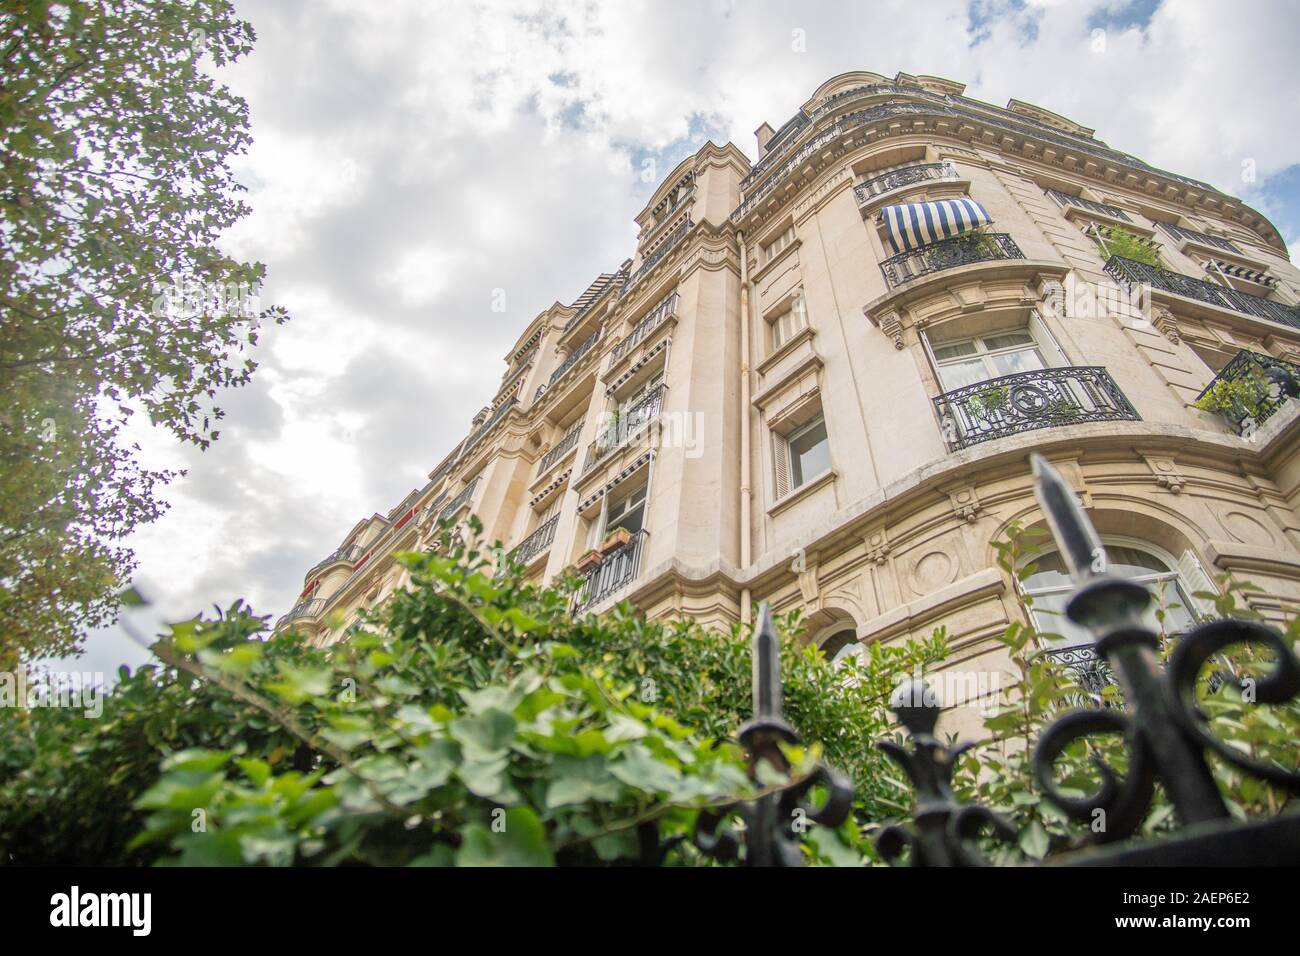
x,y
412,157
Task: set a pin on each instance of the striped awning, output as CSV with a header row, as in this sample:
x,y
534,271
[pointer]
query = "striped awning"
x,y
1239,272
912,225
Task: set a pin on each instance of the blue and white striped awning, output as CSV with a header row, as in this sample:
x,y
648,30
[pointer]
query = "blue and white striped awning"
x,y
912,225
1239,272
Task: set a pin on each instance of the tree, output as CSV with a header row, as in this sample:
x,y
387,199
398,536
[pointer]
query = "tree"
x,y
115,185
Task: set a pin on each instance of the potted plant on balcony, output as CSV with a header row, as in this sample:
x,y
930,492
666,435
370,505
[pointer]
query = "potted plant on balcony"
x,y
1237,398
588,560
617,538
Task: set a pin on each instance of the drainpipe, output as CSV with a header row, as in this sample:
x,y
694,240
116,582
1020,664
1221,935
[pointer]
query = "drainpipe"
x,y
745,493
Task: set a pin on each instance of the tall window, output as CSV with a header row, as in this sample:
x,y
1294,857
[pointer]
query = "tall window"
x,y
1051,588
981,358
627,512
783,326
778,245
801,455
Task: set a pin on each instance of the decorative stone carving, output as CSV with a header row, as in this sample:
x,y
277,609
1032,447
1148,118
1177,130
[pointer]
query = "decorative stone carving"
x,y
1052,292
892,326
965,503
1166,324
877,544
1166,473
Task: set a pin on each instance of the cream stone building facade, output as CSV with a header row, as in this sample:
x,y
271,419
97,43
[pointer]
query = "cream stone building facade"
x,y
775,398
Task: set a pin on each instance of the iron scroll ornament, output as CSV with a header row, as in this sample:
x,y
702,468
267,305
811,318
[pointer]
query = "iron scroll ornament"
x,y
774,821
943,831
1165,733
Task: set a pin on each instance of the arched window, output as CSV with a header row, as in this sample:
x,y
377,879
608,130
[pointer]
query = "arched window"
x,y
841,644
1051,588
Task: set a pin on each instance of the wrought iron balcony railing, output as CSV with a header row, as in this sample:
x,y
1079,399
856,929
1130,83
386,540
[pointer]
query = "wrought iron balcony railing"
x,y
652,320
1178,232
1029,400
898,178
1132,272
1104,209
630,423
302,609
948,254
477,435
461,500
666,245
347,553
538,541
561,447
616,570
1265,383
572,360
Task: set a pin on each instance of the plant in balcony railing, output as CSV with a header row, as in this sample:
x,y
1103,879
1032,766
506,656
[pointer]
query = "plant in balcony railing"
x,y
1115,241
1239,397
988,403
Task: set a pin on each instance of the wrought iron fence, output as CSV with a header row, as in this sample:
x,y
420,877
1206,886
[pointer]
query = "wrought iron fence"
x,y
615,571
898,178
948,254
1030,400
1270,382
310,608
1132,272
345,553
499,413
1167,740
572,360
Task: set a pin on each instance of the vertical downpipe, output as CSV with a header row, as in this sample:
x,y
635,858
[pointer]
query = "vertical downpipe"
x,y
745,493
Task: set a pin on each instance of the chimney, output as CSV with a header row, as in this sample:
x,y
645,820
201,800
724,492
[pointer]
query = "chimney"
x,y
764,134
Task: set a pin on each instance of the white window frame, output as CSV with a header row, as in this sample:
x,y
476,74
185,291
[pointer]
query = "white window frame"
x,y
783,455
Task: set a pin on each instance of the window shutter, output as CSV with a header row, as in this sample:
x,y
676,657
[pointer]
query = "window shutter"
x,y
1194,578
1053,355
781,455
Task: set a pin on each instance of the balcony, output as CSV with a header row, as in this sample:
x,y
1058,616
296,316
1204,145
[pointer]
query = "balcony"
x,y
311,608
1200,238
568,363
1249,389
478,434
537,542
898,178
460,501
1029,400
630,422
1132,272
561,447
652,320
615,571
948,254
1101,208
666,245
348,553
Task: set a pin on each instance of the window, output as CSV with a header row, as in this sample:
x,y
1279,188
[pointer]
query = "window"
x,y
783,326
801,456
1171,582
778,245
984,357
627,512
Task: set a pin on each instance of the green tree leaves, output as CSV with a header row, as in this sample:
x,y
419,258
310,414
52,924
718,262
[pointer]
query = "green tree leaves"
x,y
115,299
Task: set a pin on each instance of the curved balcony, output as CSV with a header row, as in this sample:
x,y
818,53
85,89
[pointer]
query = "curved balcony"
x,y
311,608
904,176
1251,388
948,254
1026,401
348,554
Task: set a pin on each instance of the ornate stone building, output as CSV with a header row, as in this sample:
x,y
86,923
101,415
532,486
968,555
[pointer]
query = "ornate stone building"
x,y
817,381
